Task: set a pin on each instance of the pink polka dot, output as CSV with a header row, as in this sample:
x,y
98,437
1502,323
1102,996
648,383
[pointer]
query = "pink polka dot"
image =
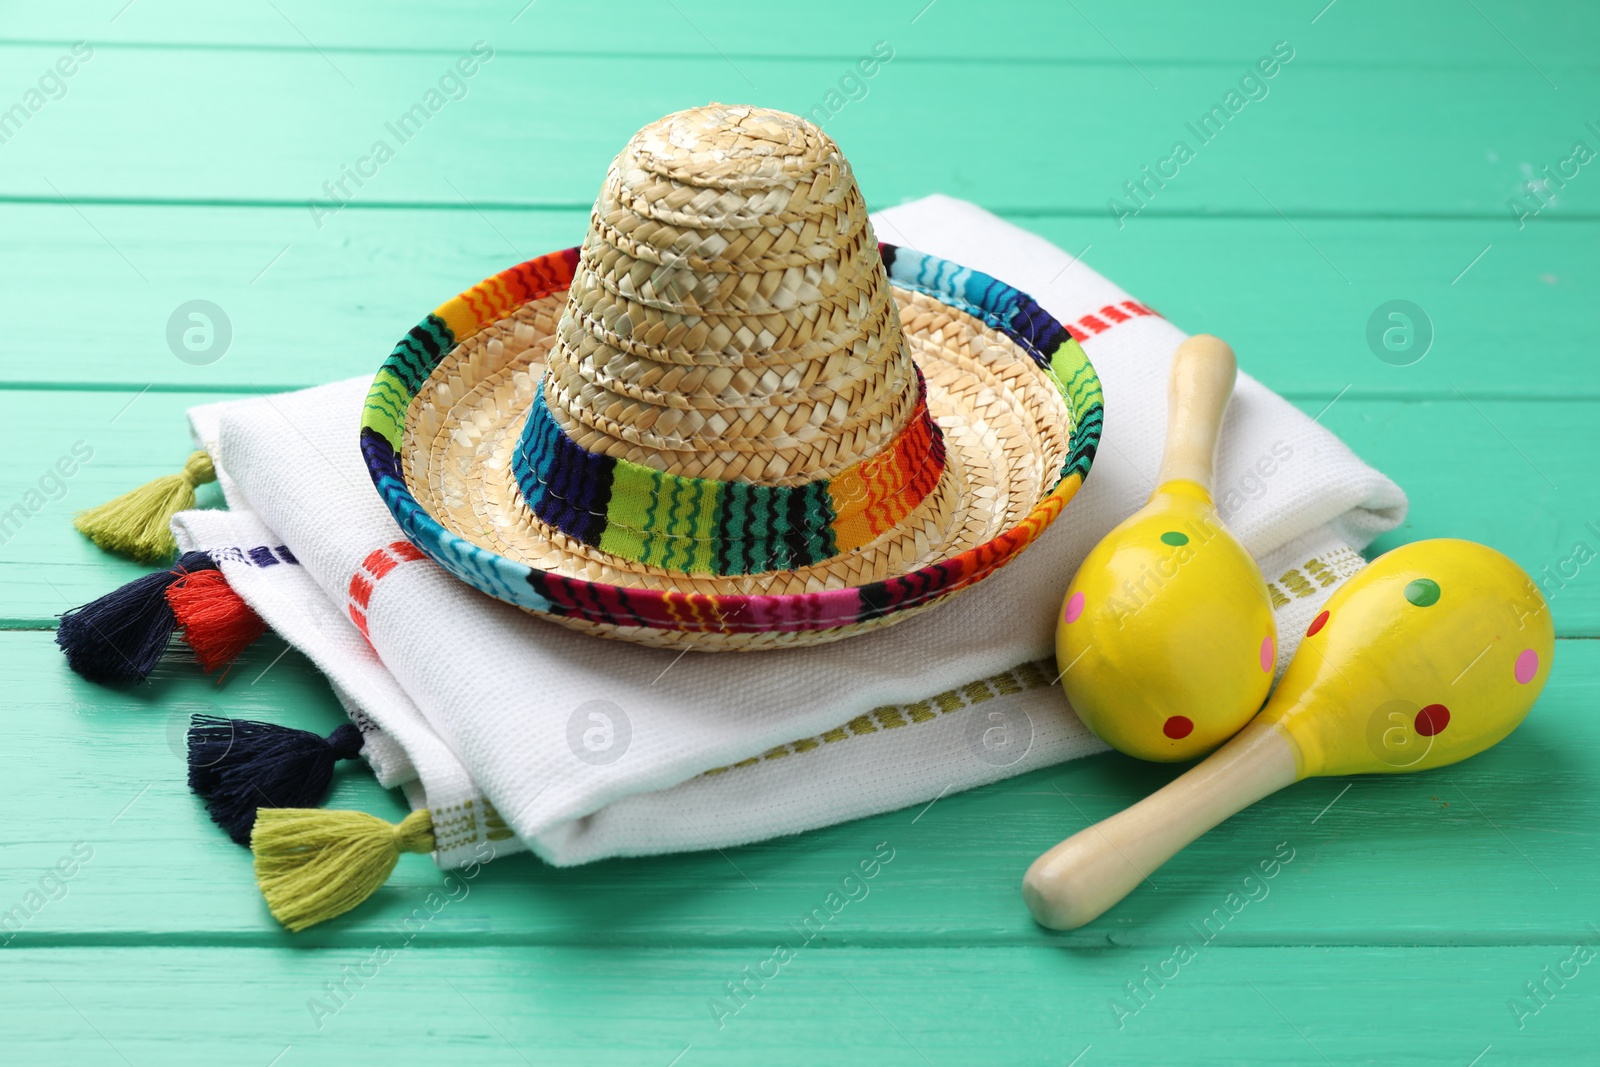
x,y
1074,607
1527,665
1269,654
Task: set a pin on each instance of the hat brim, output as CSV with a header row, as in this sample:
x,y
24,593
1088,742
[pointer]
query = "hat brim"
x,y
1017,398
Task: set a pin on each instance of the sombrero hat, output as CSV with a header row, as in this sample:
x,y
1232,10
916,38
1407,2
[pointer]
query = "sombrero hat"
x,y
731,419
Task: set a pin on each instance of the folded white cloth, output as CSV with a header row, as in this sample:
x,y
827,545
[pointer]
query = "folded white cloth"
x,y
512,729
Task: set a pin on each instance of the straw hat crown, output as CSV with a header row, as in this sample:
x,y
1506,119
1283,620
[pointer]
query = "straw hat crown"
x,y
729,318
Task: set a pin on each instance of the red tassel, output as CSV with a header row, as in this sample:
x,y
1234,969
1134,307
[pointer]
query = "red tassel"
x,y
214,620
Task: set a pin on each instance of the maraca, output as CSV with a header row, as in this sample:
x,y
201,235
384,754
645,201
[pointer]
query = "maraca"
x,y
1432,653
1166,640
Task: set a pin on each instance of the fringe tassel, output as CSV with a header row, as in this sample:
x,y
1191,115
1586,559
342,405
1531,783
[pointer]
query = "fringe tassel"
x,y
138,524
238,766
120,637
312,865
213,619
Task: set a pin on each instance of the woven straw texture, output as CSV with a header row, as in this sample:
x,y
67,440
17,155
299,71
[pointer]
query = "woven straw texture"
x,y
730,318
728,334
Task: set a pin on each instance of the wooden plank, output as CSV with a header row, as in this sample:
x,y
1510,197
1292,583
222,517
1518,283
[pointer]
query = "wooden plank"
x,y
1458,138
498,1005
306,306
1425,109
1474,854
1515,474
1417,33
77,450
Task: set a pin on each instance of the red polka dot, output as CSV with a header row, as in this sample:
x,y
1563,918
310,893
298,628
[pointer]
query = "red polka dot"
x,y
1316,624
1177,727
1432,719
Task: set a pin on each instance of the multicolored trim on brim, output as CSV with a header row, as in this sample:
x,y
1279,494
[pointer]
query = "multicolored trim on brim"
x,y
705,526
993,302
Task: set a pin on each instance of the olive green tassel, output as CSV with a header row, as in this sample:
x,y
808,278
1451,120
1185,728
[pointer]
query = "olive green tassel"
x,y
138,524
312,864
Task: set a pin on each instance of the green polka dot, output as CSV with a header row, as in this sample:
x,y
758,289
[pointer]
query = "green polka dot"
x,y
1424,592
1174,538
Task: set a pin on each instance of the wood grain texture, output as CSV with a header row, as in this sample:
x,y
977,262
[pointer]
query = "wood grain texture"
x,y
503,1006
1418,33
1414,909
1515,474
1497,850
307,306
921,129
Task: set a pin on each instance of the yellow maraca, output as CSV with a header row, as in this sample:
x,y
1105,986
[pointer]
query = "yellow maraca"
x,y
1432,653
1166,639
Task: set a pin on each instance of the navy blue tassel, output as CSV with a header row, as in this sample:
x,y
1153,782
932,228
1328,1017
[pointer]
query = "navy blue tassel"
x,y
120,637
237,766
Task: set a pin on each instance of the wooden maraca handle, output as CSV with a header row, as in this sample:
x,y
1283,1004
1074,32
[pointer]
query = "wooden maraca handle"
x,y
1203,372
1079,879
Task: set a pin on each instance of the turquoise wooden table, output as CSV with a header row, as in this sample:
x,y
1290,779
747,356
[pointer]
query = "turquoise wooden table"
x,y
1428,151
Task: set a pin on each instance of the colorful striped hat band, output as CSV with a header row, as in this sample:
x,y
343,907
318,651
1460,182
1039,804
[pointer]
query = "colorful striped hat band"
x,y
706,526
731,419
